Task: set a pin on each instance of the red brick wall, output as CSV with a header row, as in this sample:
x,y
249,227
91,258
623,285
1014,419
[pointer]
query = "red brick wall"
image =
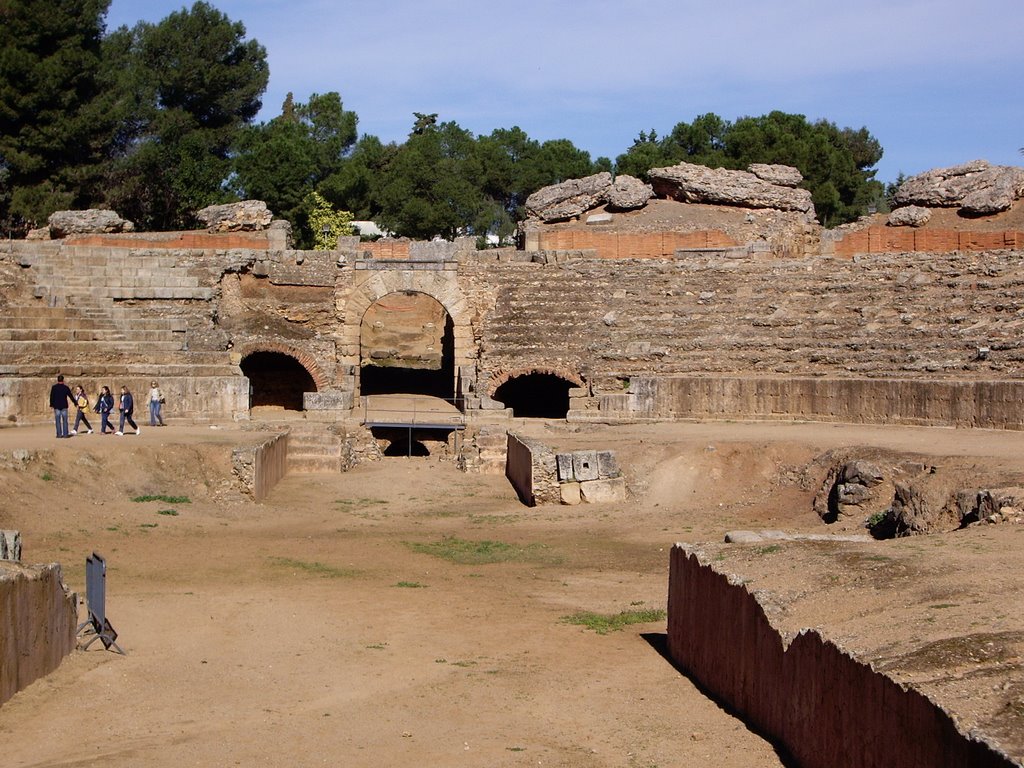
x,y
197,240
902,240
387,249
653,245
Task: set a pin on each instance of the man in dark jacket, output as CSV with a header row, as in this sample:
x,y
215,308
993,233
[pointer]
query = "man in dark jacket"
x,y
60,394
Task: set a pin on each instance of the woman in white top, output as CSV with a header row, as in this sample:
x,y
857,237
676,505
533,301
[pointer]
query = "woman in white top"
x,y
156,400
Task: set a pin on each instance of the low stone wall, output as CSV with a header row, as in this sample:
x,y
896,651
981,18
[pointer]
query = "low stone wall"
x,y
986,404
210,398
260,467
38,619
530,467
826,708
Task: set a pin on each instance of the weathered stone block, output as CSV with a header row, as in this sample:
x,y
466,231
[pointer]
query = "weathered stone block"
x,y
564,462
584,465
598,491
607,465
570,493
327,400
10,545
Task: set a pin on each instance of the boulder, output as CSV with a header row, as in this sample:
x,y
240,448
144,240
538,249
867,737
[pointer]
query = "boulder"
x,y
783,175
88,222
909,216
691,183
570,198
247,215
628,193
977,188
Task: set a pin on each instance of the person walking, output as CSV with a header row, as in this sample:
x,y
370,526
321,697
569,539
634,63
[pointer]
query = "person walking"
x,y
104,405
81,405
156,401
60,393
127,408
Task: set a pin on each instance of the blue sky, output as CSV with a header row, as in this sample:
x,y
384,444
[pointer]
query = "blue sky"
x,y
937,82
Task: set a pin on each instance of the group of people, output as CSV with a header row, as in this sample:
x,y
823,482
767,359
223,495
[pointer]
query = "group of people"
x,y
62,397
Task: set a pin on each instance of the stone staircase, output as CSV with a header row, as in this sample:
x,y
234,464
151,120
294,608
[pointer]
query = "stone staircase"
x,y
889,316
114,316
313,447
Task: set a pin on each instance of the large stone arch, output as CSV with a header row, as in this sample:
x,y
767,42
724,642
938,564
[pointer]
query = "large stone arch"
x,y
372,285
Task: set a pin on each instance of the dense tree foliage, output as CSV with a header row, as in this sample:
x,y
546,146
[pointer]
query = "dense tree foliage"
x,y
195,83
156,122
281,162
836,162
54,124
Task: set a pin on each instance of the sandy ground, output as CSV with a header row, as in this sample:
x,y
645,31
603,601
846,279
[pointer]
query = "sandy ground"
x,y
308,630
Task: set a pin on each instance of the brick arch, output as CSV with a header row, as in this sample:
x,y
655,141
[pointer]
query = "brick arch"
x,y
304,358
501,377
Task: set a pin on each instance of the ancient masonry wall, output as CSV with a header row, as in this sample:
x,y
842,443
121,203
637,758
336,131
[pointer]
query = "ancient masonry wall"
x,y
642,332
260,467
530,468
826,708
38,619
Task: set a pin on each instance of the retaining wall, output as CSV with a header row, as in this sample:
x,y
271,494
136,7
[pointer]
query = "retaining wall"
x,y
260,467
530,467
38,619
986,404
825,707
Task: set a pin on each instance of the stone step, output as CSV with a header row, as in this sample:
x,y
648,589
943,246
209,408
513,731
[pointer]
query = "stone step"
x,y
90,334
313,464
75,349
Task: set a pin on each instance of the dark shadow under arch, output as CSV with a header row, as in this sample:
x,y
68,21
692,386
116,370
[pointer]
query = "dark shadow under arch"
x,y
276,379
419,362
536,395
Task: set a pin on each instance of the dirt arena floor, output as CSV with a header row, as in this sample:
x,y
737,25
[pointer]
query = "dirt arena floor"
x,y
321,627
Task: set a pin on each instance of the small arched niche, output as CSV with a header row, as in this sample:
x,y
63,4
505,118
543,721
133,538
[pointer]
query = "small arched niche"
x,y
536,395
277,380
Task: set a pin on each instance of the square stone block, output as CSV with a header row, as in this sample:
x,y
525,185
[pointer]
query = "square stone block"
x,y
564,462
570,493
607,465
584,465
597,491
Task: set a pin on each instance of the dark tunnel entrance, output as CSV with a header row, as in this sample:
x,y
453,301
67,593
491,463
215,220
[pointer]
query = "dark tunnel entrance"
x,y
276,379
407,346
536,395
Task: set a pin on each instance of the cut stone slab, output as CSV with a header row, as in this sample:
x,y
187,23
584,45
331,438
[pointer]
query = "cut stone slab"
x,y
570,493
584,465
564,463
599,491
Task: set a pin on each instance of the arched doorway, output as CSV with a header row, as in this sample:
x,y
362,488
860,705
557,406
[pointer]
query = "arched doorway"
x,y
407,346
536,395
276,379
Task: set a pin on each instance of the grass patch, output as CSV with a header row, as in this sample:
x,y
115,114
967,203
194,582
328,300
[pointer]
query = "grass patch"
x,y
768,550
168,512
148,525
603,623
46,476
410,585
164,498
314,568
346,503
484,552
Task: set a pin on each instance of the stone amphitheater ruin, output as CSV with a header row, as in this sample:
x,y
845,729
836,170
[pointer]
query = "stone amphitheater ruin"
x,y
706,296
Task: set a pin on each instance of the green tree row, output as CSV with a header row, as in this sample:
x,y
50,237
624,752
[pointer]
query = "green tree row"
x,y
157,121
836,163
